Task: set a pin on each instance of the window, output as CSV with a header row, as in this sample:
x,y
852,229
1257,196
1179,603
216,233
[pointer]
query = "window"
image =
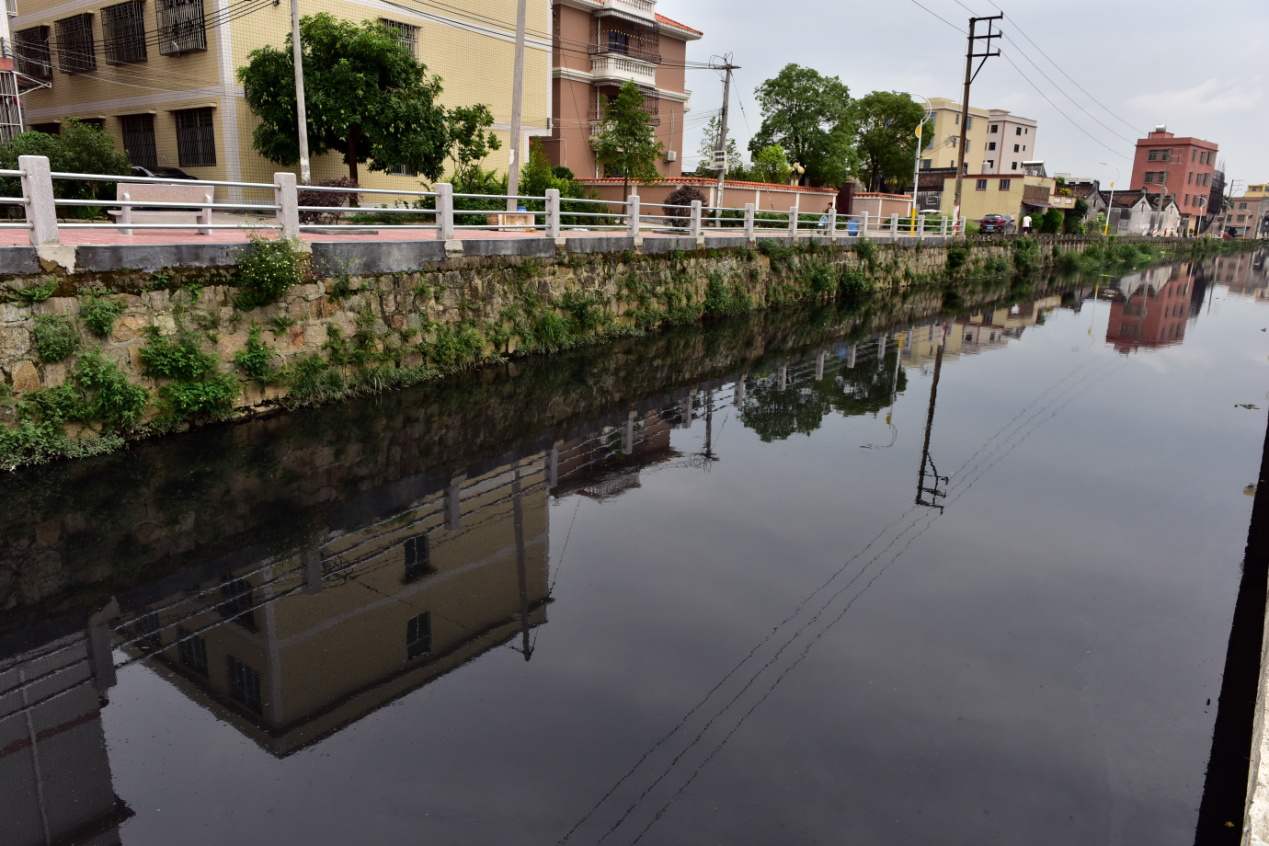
x,y
991,145
926,164
1013,166
1005,183
1190,181
191,651
991,164
123,32
1242,205
980,185
618,42
1017,130
47,128
994,128
235,601
418,636
34,57
181,26
244,686
1017,148
147,630
1153,155
138,139
418,557
75,51
406,34
1241,218
969,122
195,138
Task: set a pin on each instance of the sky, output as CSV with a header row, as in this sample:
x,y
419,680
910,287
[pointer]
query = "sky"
x,y
1198,68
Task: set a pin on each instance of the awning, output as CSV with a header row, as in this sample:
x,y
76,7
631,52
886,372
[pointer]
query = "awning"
x,y
1036,205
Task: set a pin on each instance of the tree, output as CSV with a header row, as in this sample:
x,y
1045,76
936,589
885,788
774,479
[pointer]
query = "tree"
x,y
365,97
709,144
886,137
811,117
78,148
770,165
625,141
470,139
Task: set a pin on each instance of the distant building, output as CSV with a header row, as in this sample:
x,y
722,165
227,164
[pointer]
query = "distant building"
x,y
985,193
997,141
1246,216
599,46
1183,167
1140,213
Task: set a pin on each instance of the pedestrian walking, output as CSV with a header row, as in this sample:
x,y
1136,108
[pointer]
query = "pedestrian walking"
x,y
1026,224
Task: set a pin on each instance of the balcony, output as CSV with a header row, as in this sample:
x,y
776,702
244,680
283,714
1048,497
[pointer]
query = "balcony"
x,y
618,68
651,107
644,10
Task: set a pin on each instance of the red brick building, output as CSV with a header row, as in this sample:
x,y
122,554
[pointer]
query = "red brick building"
x,y
1182,167
599,45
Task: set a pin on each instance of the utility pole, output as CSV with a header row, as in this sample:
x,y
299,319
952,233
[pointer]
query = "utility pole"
x,y
926,462
721,153
301,117
517,98
970,75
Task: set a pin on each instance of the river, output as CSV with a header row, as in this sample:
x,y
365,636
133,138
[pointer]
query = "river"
x,y
936,568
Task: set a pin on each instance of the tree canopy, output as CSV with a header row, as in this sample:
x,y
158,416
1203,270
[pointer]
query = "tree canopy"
x,y
625,141
886,137
770,165
709,144
811,117
78,148
366,97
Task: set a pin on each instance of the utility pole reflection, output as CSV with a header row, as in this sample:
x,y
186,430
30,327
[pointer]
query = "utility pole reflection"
x,y
928,470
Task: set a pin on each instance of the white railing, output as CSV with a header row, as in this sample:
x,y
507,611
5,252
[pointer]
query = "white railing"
x,y
623,68
439,211
641,8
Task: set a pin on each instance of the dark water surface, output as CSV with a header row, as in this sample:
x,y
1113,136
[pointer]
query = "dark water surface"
x,y
677,591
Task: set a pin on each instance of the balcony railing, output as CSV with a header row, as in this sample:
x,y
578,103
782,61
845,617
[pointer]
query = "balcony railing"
x,y
618,67
638,8
643,54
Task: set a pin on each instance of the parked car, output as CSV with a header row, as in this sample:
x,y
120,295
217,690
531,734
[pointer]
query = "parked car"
x,y
161,172
996,223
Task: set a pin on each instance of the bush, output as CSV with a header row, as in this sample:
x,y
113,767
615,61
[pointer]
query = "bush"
x,y
37,292
211,396
678,205
181,357
105,394
266,270
326,200
56,338
1026,254
100,311
78,148
256,358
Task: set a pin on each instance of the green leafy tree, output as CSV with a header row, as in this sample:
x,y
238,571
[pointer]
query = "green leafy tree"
x,y
625,141
79,148
709,143
770,165
470,139
365,97
811,117
886,137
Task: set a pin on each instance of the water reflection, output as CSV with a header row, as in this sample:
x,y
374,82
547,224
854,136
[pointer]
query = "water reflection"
x,y
293,576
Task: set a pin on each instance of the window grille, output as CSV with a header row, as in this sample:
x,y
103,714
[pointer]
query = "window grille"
x,y
418,557
418,636
191,650
123,31
244,685
235,600
75,52
34,57
181,26
195,138
406,34
138,140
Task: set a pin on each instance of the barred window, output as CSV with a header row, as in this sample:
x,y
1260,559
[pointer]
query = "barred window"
x,y
34,56
123,31
406,34
75,50
191,650
244,685
181,26
138,140
418,636
47,128
195,137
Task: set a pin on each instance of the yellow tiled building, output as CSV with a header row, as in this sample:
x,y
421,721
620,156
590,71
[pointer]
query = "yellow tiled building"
x,y
996,140
159,75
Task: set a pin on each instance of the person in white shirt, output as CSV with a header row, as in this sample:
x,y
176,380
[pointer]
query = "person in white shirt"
x,y
1026,224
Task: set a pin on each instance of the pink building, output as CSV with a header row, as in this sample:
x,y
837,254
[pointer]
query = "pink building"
x,y
599,45
1182,167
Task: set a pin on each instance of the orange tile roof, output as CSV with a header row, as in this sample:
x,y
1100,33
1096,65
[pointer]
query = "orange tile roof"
x,y
670,22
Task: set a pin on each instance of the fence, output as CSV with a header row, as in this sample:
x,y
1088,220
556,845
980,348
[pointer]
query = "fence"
x,y
297,209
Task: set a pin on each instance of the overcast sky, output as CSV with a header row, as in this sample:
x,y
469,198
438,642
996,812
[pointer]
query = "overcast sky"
x,y
1200,67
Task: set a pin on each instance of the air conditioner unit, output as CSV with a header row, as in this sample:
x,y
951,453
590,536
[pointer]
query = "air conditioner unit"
x,y
671,155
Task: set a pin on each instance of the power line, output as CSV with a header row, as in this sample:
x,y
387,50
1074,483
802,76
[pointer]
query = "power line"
x,y
1095,140
937,15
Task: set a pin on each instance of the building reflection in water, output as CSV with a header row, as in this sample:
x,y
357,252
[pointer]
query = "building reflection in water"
x,y
1150,308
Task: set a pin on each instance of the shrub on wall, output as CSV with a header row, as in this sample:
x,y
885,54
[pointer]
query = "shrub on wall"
x,y
267,268
56,338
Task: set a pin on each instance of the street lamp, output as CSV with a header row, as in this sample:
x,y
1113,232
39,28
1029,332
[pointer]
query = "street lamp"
x,y
916,167
1110,205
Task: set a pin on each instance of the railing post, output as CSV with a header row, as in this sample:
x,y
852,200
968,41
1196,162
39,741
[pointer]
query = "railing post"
x,y
632,215
553,213
287,199
793,222
863,233
750,214
37,188
832,225
445,211
894,226
943,232
696,220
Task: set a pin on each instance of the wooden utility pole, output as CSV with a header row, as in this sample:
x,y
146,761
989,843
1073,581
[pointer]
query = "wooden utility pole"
x,y
517,97
970,74
301,118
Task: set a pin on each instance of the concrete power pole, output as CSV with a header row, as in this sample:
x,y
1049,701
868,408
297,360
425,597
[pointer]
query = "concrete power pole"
x,y
970,75
517,98
10,102
301,116
721,155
